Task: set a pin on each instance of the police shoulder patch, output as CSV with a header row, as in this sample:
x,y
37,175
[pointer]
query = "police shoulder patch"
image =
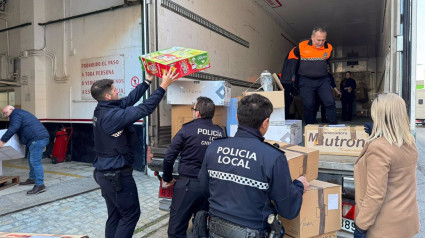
x,y
275,146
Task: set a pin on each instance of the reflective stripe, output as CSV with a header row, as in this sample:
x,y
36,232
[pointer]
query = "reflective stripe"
x,y
238,179
117,134
313,59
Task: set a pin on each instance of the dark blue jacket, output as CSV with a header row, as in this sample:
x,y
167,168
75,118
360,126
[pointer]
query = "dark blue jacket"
x,y
27,126
244,174
114,134
348,83
191,141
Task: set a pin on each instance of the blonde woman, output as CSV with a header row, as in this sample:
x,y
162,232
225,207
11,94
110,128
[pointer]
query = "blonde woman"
x,y
385,174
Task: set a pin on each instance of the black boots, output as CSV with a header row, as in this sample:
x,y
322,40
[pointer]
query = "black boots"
x,y
28,182
37,189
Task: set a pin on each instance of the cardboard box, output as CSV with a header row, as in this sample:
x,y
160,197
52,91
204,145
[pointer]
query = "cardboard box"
x,y
277,118
336,140
290,132
301,160
185,92
320,212
13,149
183,114
276,97
186,61
361,94
326,235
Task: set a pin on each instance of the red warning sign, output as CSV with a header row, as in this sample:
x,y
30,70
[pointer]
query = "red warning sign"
x,y
135,81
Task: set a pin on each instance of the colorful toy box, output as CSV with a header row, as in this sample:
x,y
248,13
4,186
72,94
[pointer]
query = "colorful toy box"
x,y
186,61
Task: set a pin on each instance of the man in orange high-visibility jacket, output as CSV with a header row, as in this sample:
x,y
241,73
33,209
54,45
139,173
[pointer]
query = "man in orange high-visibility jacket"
x,y
306,64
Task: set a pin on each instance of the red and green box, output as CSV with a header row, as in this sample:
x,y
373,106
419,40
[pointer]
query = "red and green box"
x,y
186,61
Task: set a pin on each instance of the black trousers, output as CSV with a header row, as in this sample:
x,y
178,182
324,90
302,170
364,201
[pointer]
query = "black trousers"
x,y
321,106
188,199
123,206
321,87
347,108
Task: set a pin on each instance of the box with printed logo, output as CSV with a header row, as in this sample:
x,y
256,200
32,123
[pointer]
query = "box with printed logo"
x,y
290,132
185,92
182,114
336,139
301,160
186,61
320,212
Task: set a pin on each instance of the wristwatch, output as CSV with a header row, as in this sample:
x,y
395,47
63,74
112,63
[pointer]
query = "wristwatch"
x,y
148,81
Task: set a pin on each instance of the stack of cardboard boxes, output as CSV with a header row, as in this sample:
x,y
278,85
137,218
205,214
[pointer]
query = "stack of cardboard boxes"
x,y
288,131
182,96
320,214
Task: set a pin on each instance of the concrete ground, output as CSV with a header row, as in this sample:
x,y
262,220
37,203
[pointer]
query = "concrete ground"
x,y
72,203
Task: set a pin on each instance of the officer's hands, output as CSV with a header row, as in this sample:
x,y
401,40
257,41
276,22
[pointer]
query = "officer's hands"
x,y
1,144
368,127
303,180
149,76
337,91
169,78
169,184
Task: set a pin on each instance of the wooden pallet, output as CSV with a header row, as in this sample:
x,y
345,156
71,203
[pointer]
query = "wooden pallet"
x,y
4,181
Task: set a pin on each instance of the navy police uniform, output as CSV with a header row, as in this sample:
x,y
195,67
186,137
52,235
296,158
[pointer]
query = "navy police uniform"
x,y
307,66
114,137
191,143
320,104
244,175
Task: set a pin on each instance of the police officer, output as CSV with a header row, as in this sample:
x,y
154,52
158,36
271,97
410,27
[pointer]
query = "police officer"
x,y
190,142
306,64
244,175
348,85
114,137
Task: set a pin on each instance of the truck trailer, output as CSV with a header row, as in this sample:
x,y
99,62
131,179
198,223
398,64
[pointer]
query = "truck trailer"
x,y
372,39
52,51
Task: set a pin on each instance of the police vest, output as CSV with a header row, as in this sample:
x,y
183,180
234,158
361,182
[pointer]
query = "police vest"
x,y
313,61
115,146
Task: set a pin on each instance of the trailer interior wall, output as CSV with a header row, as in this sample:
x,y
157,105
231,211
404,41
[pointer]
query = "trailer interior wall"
x,y
247,20
387,61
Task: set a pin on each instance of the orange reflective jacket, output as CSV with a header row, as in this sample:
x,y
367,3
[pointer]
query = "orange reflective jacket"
x,y
313,61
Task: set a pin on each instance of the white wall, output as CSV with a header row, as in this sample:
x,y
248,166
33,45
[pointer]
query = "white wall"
x,y
110,33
